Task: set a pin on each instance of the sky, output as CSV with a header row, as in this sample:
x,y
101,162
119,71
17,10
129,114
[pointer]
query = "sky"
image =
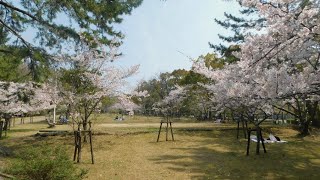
x,y
161,35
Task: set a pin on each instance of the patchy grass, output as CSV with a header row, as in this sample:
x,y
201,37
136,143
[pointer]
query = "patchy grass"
x,y
201,151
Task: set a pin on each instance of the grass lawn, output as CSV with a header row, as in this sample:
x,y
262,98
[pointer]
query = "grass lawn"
x,y
128,150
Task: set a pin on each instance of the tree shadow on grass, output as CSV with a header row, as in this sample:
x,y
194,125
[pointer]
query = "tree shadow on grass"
x,y
222,156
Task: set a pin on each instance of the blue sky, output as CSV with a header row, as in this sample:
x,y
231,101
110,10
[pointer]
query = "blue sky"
x,y
157,31
161,35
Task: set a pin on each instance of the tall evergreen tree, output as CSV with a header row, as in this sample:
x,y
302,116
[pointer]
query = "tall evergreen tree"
x,y
94,18
237,24
56,24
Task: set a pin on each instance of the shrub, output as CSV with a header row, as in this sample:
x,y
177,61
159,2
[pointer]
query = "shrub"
x,y
45,163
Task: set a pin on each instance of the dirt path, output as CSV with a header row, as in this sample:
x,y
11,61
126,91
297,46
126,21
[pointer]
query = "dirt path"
x,y
155,125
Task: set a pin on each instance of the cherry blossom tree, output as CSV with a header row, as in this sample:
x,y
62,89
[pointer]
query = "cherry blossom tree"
x,y
91,78
24,97
291,45
233,91
278,64
170,104
129,102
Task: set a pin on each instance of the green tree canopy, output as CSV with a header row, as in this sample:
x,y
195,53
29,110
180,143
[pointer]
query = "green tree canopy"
x,y
236,24
94,18
56,25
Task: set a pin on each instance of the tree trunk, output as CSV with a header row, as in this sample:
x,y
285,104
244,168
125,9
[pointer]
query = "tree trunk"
x,y
316,120
68,111
314,113
304,129
85,127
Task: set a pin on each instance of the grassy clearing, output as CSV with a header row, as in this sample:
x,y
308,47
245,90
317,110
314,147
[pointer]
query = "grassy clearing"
x,y
201,151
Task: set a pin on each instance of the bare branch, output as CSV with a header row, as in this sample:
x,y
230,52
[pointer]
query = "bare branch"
x,y
19,10
16,34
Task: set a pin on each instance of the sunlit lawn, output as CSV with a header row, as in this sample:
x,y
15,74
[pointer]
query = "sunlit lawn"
x,y
200,151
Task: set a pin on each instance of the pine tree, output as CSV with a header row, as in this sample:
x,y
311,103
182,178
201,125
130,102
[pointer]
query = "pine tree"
x,y
95,19
237,25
